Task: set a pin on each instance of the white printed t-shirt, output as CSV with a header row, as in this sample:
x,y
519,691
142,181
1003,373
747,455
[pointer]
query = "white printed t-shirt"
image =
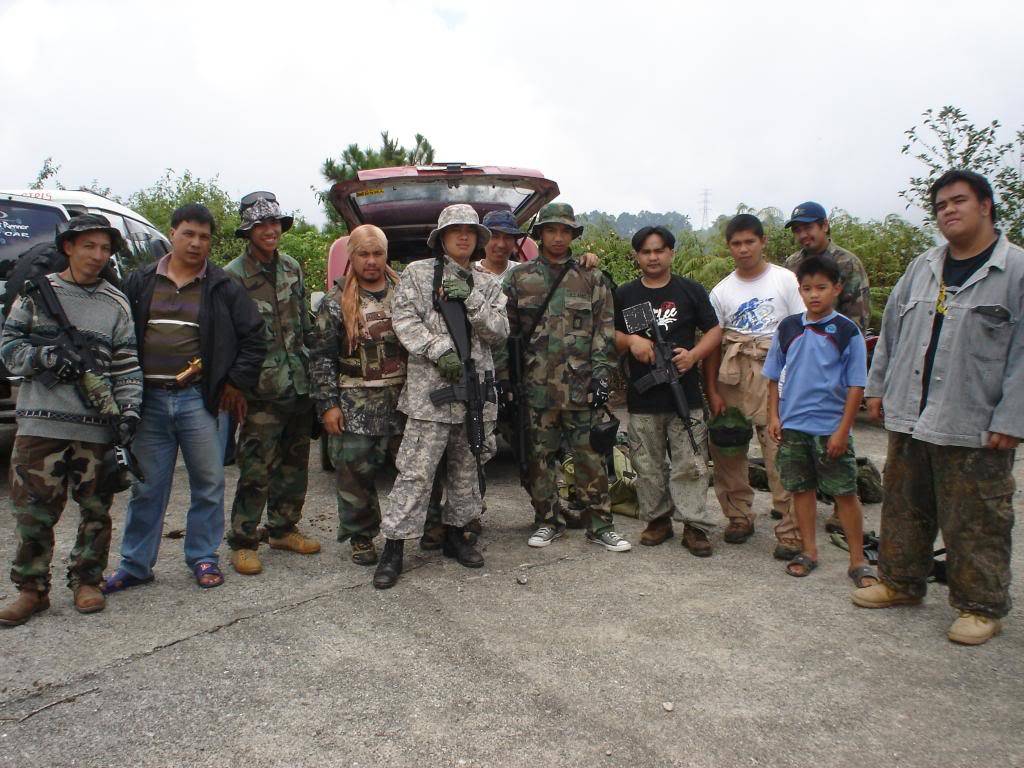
x,y
757,306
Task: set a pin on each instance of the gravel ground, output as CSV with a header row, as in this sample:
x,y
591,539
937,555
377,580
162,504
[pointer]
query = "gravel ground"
x,y
568,655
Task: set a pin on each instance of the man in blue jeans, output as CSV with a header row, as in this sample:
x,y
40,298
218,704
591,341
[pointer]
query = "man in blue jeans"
x,y
201,341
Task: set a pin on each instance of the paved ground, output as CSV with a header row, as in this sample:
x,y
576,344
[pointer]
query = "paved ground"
x,y
651,658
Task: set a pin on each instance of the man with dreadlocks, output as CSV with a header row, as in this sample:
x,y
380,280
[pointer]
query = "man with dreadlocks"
x,y
448,318
357,371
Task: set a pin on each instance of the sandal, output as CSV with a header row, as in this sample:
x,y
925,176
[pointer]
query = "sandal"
x,y
802,562
860,575
203,572
121,580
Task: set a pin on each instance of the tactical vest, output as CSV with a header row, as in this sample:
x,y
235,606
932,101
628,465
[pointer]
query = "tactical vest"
x,y
378,358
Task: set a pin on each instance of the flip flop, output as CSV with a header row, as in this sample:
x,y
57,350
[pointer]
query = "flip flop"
x,y
804,562
208,569
860,573
121,580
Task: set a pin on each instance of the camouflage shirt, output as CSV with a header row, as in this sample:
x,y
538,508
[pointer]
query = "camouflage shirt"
x,y
855,300
575,340
280,295
364,383
422,331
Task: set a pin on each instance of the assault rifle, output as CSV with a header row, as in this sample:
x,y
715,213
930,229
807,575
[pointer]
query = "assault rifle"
x,y
640,318
470,391
92,386
518,409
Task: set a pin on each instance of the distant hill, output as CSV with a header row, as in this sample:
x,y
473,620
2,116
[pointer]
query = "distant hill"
x,y
626,224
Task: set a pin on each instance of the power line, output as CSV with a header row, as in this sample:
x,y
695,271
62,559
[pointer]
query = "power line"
x,y
705,199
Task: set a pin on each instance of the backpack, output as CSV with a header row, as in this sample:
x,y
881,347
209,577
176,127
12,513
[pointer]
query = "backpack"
x,y
621,483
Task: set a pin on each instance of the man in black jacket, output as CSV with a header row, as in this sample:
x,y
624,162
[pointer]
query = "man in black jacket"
x,y
200,341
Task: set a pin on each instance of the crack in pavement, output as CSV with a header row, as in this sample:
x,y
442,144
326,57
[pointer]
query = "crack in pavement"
x,y
420,562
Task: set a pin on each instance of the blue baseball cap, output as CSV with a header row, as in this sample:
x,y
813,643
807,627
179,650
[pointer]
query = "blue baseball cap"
x,y
807,212
504,222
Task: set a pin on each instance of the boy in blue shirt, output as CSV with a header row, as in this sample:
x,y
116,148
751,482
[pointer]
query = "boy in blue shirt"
x,y
816,370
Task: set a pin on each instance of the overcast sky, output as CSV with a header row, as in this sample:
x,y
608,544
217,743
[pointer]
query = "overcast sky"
x,y
627,105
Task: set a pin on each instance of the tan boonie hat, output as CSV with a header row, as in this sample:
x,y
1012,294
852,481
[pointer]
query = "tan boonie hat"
x,y
556,213
460,213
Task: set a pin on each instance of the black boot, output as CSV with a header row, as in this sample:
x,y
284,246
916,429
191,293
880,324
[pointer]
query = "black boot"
x,y
455,545
390,565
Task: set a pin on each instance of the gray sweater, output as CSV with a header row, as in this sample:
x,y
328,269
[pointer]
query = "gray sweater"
x,y
103,315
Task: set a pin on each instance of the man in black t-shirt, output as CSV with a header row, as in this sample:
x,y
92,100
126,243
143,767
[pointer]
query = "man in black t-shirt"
x,y
681,307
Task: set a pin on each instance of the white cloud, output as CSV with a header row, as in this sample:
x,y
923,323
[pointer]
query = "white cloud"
x,y
627,106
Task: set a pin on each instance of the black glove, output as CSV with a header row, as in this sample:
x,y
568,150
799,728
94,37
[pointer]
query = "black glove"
x,y
63,363
126,428
598,392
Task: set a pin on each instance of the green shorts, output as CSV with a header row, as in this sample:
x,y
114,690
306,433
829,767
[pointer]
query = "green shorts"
x,y
804,465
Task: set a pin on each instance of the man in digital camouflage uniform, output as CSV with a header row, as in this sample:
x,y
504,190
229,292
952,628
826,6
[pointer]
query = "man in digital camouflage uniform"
x,y
357,378
812,231
568,361
434,364
273,443
62,439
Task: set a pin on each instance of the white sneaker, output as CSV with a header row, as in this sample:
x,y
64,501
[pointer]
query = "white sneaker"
x,y
610,540
545,535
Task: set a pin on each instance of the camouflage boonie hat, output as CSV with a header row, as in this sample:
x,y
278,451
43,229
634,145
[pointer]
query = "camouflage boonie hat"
x,y
731,431
556,213
460,213
89,222
264,207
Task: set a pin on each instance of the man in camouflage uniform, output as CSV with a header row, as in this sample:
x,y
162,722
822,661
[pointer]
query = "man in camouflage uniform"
x,y
568,360
274,438
356,385
63,438
434,364
812,231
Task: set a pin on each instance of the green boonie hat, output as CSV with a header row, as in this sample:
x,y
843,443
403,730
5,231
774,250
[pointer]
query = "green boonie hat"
x,y
556,213
731,431
89,222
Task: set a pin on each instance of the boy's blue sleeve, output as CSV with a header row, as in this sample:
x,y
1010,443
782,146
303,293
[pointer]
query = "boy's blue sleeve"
x,y
856,373
775,362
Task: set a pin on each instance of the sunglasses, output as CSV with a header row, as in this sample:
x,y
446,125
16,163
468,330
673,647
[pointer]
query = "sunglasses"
x,y
253,197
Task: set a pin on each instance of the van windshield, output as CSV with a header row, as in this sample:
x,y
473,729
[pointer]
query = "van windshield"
x,y
23,225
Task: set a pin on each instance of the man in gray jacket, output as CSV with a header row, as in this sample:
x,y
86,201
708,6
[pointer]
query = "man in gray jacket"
x,y
949,372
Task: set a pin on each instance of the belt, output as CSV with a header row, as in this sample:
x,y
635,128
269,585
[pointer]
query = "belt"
x,y
171,384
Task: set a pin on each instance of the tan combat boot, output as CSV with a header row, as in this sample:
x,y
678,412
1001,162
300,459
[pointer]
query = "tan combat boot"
x,y
28,603
246,562
657,531
974,628
293,541
89,599
881,595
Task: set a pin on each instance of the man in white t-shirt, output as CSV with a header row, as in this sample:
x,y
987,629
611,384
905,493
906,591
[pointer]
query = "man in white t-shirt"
x,y
750,304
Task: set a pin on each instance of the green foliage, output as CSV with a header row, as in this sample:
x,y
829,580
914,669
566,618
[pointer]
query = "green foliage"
x,y
48,171
354,159
627,224
309,247
948,140
158,202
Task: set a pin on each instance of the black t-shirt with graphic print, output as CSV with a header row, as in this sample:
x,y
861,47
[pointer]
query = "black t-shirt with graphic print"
x,y
681,306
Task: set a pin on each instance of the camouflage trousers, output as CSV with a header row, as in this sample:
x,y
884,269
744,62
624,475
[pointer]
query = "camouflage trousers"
x,y
678,483
423,445
273,466
967,494
549,428
43,471
358,459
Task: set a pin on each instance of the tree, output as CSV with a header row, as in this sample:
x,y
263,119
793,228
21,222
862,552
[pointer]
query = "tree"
x,y
158,202
353,159
948,140
47,172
